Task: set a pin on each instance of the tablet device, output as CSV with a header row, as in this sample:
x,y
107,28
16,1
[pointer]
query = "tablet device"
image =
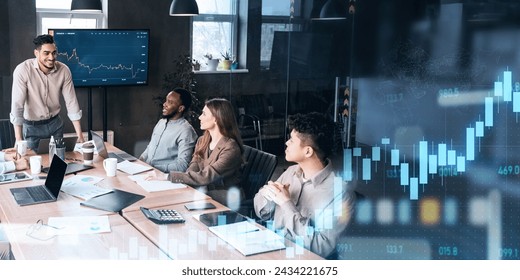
x,y
14,177
199,206
221,218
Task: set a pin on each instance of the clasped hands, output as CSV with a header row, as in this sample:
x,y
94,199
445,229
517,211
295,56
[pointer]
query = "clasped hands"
x,y
20,162
276,192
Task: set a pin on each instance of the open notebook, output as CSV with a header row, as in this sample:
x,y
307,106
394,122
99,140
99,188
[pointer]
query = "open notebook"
x,y
248,238
243,234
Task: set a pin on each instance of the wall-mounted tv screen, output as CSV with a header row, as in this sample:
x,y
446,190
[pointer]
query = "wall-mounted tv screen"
x,y
104,57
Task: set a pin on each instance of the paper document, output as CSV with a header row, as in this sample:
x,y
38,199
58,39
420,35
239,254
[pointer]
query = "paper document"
x,y
79,225
155,185
249,239
83,187
132,168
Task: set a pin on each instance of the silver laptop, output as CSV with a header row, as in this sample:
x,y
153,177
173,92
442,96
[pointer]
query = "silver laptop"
x,y
70,143
43,193
102,150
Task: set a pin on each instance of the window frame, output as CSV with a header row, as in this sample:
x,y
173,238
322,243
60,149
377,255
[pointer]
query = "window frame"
x,y
232,19
294,18
100,17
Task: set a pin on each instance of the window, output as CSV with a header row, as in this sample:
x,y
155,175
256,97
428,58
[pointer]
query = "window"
x,y
215,28
57,14
276,16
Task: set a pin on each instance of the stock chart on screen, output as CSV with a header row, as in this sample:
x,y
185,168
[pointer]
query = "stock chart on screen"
x,y
104,57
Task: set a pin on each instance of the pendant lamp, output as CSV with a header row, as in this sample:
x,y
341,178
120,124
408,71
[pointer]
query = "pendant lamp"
x,y
333,10
184,8
86,5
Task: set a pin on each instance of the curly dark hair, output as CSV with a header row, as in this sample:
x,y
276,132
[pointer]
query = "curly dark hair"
x,y
316,130
42,40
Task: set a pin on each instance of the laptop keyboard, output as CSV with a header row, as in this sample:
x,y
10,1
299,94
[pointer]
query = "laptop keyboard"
x,y
38,193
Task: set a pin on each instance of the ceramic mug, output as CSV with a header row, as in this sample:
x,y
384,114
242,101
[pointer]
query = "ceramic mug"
x,y
36,164
110,165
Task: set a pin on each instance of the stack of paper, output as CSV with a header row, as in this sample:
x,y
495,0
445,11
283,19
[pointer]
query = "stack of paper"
x,y
155,185
83,186
249,239
132,168
79,225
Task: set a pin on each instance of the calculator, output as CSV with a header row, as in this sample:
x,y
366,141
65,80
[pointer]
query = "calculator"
x,y
163,216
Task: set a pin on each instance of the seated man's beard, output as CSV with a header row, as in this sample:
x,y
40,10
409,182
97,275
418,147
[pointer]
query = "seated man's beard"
x,y
169,116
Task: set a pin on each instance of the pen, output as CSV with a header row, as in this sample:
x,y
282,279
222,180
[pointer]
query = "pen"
x,y
248,231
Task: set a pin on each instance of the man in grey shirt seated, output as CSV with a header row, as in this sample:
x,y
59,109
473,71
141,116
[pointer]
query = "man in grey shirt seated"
x,y
309,204
173,138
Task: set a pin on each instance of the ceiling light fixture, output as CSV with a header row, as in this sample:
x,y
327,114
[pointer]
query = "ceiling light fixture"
x,y
86,5
333,10
184,8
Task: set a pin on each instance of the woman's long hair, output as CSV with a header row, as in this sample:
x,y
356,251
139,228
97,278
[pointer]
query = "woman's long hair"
x,y
224,115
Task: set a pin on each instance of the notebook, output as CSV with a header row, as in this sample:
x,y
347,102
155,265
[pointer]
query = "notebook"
x,y
43,193
247,238
102,150
70,144
114,201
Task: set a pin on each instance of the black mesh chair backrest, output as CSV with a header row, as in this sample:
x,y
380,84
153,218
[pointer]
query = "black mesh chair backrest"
x,y
7,138
257,171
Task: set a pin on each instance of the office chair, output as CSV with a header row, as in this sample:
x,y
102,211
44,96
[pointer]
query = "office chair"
x,y
7,138
257,171
250,129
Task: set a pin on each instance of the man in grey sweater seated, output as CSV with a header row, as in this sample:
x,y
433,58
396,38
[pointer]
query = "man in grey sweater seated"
x,y
173,138
308,204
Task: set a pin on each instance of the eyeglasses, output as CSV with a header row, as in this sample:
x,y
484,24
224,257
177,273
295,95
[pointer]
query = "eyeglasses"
x,y
41,231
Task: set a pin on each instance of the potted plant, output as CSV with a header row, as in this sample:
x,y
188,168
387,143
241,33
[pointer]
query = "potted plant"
x,y
227,60
196,65
212,62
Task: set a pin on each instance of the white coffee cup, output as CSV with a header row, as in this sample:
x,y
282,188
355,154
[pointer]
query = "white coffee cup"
x,y
21,147
36,164
110,165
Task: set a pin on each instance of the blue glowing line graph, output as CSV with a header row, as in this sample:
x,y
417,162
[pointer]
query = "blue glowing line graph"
x,y
430,161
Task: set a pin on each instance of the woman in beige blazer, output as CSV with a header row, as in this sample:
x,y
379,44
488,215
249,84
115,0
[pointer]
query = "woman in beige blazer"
x,y
217,161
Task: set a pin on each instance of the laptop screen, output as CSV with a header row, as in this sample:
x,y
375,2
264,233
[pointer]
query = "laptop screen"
x,y
56,175
100,144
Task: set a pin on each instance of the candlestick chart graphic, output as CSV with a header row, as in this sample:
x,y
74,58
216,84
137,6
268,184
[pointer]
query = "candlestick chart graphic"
x,y
443,158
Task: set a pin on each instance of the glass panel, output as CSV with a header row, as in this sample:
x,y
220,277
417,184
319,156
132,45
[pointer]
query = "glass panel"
x,y
267,36
276,8
53,4
221,7
211,37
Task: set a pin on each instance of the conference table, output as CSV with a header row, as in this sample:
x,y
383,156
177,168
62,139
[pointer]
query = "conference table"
x,y
131,235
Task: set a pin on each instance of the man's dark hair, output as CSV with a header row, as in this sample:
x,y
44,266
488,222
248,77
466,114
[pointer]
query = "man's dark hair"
x,y
42,40
316,130
185,98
